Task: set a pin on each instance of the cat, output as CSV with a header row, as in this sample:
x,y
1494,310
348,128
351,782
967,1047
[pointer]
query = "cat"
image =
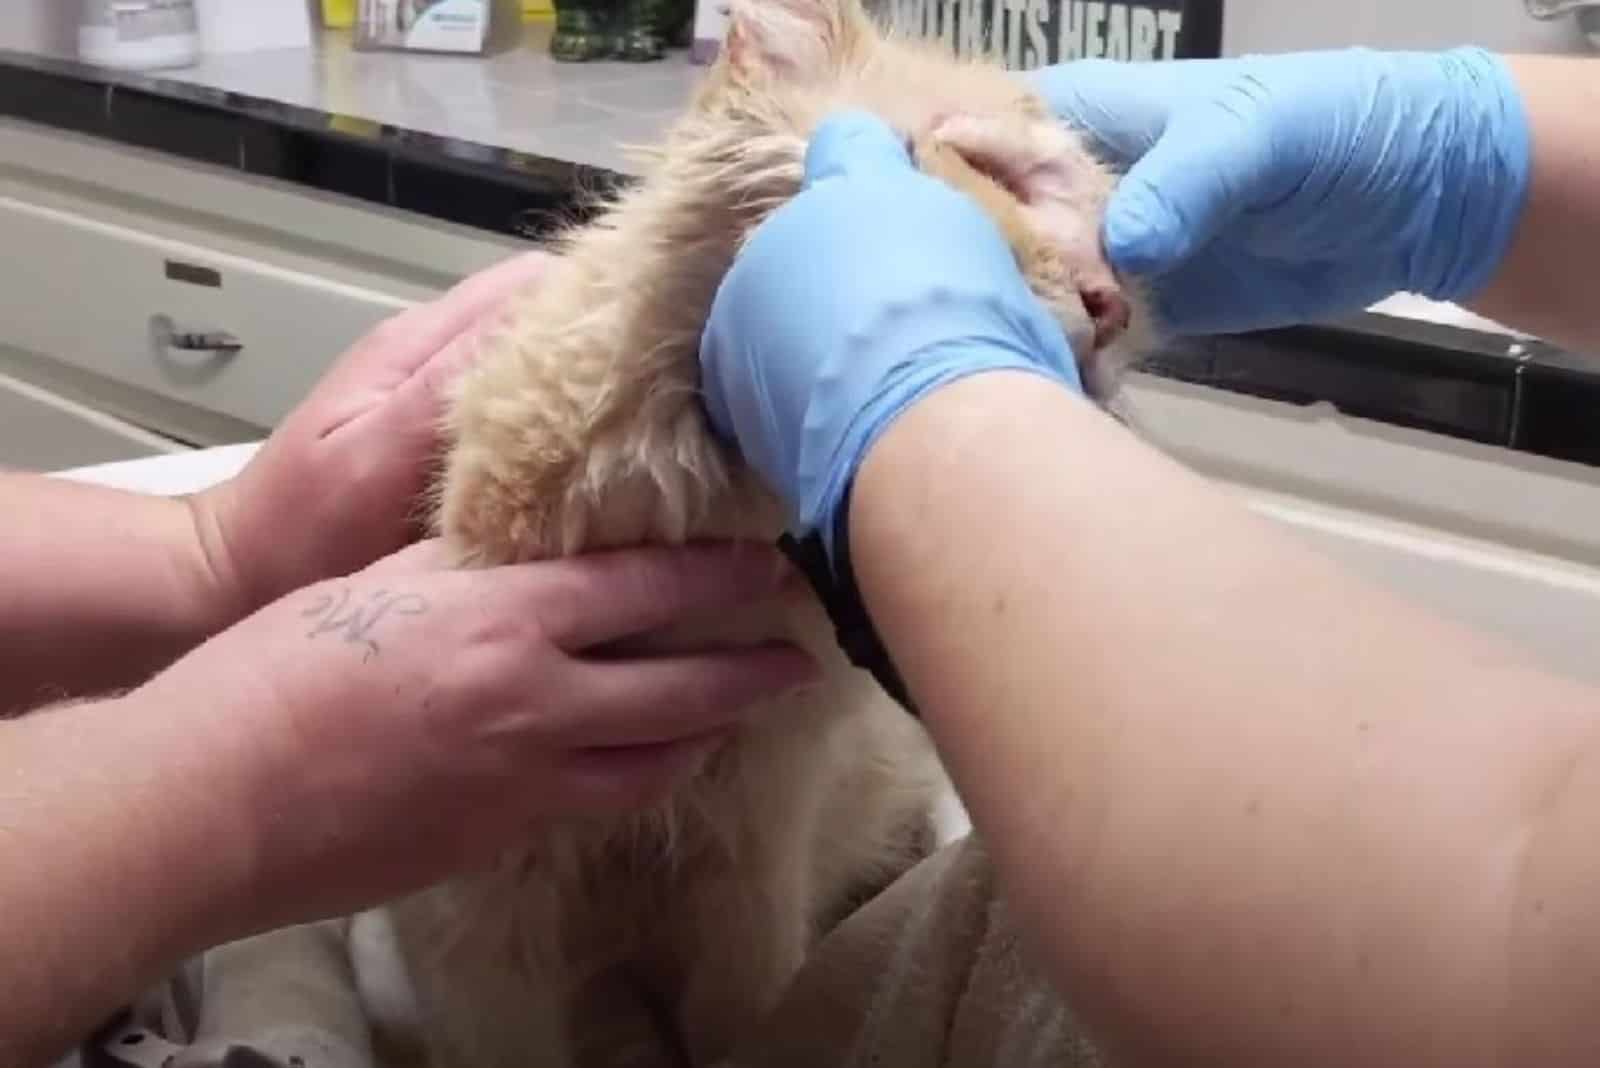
x,y
663,938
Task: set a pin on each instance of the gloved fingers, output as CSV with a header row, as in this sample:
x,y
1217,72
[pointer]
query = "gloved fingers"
x,y
1200,177
1122,107
854,143
1190,147
720,352
1205,297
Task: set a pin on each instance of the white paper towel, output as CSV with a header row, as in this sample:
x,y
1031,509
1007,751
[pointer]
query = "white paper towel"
x,y
166,476
253,25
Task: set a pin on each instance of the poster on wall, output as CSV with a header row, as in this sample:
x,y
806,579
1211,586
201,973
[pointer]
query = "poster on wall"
x,y
1026,34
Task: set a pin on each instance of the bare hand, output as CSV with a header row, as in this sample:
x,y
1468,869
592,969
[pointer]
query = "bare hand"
x,y
337,485
382,731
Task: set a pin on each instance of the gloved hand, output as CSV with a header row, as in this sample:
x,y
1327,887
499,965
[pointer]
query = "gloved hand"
x,y
872,287
1273,190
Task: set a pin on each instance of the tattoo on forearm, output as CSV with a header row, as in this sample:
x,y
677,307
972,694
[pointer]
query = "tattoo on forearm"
x,y
356,623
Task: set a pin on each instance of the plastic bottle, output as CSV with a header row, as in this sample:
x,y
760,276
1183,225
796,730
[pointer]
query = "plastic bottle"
x,y
339,14
138,34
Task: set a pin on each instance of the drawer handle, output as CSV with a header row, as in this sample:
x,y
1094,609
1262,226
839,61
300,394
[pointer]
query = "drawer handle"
x,y
191,358
213,341
167,335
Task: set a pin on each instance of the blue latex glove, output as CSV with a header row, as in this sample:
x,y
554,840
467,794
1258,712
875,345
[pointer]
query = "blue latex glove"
x,y
1273,190
872,287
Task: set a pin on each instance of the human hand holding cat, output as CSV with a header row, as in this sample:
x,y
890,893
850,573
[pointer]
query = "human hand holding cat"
x,y
873,287
337,485
1272,190
366,736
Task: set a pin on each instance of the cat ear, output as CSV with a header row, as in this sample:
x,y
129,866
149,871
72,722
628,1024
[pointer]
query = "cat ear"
x,y
787,40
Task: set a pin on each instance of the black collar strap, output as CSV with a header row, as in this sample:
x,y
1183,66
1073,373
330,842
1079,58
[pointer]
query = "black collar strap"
x,y
835,585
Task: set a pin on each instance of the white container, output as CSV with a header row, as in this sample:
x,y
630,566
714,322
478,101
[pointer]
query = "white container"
x,y
231,26
710,30
138,34
44,26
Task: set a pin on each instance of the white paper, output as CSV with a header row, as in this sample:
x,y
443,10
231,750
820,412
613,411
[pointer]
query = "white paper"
x,y
253,25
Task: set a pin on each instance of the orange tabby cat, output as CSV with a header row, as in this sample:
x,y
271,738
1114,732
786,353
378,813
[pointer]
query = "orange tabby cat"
x,y
662,939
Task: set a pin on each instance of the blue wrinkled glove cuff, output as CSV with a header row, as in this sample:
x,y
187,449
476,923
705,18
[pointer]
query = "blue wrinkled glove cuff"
x,y
1482,185
912,351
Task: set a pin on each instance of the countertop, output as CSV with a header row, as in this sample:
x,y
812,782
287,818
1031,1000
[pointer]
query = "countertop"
x,y
515,100
507,142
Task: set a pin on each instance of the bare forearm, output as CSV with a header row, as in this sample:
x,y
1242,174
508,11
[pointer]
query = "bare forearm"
x,y
98,589
1258,813
116,861
1545,286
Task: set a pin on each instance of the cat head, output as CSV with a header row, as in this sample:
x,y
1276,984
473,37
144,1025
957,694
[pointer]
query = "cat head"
x,y
786,65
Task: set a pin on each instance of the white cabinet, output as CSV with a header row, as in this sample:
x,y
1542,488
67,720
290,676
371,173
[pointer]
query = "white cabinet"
x,y
113,254
40,431
107,299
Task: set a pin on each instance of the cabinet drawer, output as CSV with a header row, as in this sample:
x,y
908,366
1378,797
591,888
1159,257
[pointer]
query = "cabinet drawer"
x,y
96,294
40,431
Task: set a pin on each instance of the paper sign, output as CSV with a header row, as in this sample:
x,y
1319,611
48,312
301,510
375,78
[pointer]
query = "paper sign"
x,y
1026,34
425,25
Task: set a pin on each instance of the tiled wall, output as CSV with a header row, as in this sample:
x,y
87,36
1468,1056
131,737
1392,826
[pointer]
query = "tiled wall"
x,y
1287,25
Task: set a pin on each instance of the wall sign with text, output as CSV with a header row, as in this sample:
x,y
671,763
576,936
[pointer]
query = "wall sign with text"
x,y
1025,34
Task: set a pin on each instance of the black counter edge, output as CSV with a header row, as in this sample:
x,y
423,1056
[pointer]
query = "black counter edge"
x,y
519,194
